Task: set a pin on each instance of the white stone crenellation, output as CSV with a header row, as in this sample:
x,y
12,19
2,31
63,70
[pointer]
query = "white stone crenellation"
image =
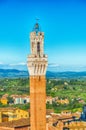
x,y
37,65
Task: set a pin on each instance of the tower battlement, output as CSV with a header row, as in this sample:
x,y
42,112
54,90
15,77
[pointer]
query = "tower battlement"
x,y
34,34
37,65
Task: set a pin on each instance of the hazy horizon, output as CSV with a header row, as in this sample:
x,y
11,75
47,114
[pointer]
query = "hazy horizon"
x,y
51,67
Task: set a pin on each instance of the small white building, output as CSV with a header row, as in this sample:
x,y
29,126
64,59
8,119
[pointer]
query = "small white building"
x,y
21,99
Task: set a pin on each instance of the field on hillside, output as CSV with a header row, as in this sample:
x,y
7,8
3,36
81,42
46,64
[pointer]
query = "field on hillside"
x,y
74,90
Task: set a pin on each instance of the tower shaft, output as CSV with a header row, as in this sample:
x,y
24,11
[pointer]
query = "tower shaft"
x,y
38,101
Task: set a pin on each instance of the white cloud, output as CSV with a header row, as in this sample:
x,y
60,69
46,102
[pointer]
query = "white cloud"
x,y
1,63
53,65
18,64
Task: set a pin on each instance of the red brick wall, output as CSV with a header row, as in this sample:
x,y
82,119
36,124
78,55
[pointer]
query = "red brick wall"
x,y
38,102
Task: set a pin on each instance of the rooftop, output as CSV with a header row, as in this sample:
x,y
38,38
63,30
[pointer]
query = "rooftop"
x,y
17,123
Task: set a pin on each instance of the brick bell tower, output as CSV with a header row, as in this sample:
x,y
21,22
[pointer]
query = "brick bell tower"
x,y
37,65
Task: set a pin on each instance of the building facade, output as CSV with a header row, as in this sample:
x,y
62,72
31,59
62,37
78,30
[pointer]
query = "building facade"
x,y
37,65
10,114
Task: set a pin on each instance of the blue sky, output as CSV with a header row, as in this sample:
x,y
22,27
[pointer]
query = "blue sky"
x,y
64,24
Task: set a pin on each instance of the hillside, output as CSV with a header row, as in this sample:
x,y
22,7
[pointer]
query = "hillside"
x,y
74,90
13,73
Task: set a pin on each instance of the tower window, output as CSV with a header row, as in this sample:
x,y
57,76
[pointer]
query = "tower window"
x,y
32,46
38,47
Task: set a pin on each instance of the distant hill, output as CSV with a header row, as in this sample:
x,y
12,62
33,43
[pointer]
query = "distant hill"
x,y
13,73
67,74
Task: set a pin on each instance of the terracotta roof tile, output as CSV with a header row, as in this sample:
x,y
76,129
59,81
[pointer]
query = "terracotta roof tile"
x,y
17,123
